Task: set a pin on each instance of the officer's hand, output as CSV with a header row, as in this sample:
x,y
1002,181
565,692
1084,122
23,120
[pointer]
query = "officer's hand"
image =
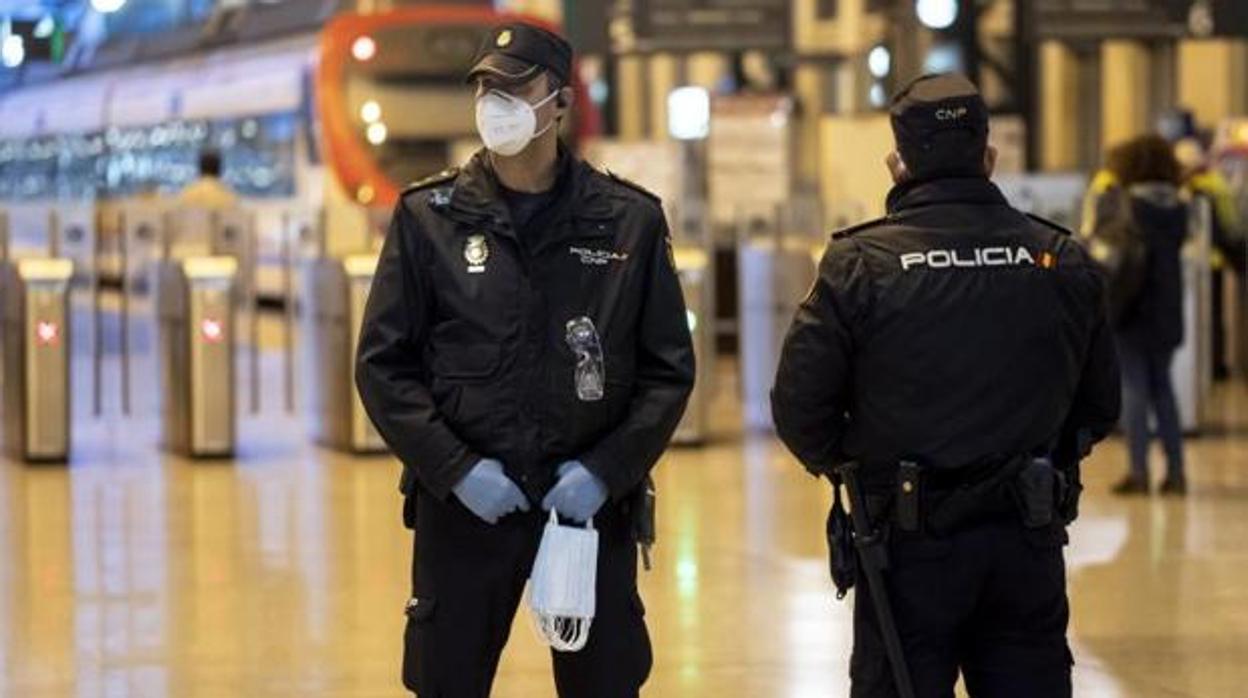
x,y
578,495
489,493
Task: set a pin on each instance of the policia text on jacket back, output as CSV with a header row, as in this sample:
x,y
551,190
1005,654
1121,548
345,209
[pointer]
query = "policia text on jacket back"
x,y
525,343
954,360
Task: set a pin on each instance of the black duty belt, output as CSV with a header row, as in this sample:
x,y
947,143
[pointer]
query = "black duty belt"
x,y
943,501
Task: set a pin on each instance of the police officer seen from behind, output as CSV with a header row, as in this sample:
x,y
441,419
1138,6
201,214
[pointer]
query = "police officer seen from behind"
x,y
951,365
524,348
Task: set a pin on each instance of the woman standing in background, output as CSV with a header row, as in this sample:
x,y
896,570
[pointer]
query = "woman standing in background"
x,y
1151,328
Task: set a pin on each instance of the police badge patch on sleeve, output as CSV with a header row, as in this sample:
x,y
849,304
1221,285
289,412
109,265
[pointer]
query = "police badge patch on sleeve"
x,y
476,252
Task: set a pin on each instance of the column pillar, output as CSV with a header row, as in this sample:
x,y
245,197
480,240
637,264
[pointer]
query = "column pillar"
x,y
1059,90
1126,91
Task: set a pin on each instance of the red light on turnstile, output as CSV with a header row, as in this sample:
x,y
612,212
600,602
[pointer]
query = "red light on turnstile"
x,y
47,334
212,330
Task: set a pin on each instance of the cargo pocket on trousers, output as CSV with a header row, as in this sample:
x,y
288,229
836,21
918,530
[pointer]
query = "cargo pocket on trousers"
x,y
418,643
1042,556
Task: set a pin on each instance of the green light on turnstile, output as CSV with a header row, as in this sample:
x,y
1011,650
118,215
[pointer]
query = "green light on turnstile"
x,y
692,318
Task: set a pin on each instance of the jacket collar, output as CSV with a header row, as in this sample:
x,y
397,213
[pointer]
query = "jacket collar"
x,y
581,194
961,190
1159,194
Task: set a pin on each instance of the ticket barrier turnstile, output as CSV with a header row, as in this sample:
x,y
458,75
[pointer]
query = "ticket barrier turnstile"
x,y
37,404
696,279
336,290
775,271
1192,368
196,314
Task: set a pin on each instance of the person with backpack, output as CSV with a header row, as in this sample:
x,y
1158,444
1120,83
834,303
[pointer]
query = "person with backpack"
x,y
1144,219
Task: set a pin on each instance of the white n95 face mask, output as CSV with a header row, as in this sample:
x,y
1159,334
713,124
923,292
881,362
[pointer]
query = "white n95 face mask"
x,y
563,585
508,124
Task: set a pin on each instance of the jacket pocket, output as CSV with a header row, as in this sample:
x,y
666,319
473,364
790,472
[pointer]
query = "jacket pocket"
x,y
619,397
594,420
419,646
473,361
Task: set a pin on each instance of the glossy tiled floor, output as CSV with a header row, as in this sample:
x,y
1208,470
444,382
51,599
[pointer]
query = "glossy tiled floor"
x,y
284,574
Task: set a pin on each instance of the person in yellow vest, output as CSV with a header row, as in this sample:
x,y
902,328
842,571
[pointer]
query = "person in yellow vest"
x,y
208,192
1102,182
1204,182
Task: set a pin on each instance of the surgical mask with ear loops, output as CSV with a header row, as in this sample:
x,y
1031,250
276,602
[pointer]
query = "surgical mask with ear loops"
x,y
507,123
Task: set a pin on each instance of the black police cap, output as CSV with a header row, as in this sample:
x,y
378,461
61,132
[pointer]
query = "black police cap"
x,y
517,51
940,123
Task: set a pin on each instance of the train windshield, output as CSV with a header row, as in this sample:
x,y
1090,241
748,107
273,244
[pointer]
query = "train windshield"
x,y
406,100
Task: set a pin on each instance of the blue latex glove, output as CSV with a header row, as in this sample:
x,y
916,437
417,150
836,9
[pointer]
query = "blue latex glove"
x,y
578,495
489,493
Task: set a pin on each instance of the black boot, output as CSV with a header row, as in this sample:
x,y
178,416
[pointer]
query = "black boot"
x,y
1175,486
1131,485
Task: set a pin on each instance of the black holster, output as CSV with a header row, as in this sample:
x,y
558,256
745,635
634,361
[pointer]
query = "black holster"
x,y
1040,490
842,557
407,488
1027,487
642,517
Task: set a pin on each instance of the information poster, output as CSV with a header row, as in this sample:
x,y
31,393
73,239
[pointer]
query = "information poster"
x,y
750,156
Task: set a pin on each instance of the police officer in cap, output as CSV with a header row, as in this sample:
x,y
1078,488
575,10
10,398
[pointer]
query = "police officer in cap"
x,y
524,349
954,357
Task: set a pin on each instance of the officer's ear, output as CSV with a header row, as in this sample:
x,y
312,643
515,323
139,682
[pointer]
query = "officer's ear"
x,y
990,160
565,98
897,168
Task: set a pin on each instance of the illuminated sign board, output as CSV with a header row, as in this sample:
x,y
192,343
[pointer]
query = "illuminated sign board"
x,y
700,25
1142,19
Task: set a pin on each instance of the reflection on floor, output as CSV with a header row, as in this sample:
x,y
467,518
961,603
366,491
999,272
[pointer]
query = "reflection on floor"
x,y
284,574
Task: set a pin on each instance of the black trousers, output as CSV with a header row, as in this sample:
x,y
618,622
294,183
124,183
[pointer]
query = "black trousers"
x,y
1217,316
468,579
989,601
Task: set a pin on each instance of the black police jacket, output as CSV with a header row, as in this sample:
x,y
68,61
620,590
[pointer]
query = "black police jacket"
x,y
952,331
463,352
